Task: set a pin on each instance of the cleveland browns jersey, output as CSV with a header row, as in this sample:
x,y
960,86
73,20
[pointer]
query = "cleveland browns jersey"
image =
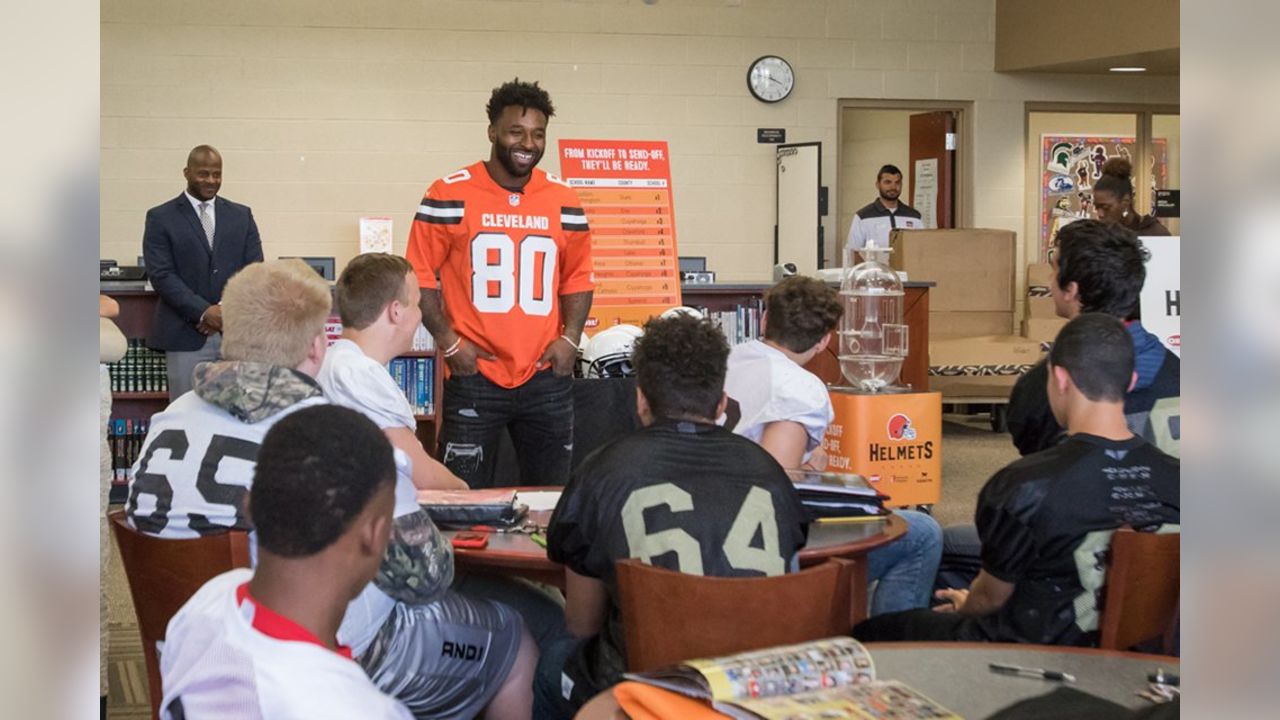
x,y
504,259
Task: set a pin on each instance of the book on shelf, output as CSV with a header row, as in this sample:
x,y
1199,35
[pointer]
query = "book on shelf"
x,y
140,370
740,324
416,378
832,678
124,439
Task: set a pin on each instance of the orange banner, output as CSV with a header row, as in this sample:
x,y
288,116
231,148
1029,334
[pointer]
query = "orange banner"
x,y
625,189
894,440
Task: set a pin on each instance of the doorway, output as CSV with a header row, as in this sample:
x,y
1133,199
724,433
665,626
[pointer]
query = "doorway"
x,y
926,140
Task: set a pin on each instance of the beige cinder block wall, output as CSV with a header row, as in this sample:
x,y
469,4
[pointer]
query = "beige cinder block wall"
x,y
326,110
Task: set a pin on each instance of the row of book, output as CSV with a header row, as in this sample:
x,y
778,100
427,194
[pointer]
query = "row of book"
x,y
422,340
140,370
740,324
124,439
416,378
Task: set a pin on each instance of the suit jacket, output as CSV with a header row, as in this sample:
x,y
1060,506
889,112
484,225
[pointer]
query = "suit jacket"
x,y
187,275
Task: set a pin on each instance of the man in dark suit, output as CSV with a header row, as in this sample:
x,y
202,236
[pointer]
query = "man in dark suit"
x,y
192,245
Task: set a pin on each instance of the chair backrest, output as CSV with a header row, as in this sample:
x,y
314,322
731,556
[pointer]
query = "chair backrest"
x,y
1141,601
163,574
668,616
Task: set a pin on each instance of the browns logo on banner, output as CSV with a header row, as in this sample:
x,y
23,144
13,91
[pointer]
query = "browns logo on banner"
x,y
894,440
625,188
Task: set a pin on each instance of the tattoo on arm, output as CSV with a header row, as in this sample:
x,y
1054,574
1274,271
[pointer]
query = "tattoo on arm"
x,y
433,314
573,312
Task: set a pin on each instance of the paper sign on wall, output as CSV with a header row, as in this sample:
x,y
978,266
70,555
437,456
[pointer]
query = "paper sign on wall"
x,y
375,235
925,198
1161,299
625,189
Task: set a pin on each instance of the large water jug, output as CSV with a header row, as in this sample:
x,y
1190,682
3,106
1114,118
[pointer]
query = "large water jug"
x,y
873,338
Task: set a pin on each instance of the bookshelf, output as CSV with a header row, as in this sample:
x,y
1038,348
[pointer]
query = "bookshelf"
x,y
137,309
729,297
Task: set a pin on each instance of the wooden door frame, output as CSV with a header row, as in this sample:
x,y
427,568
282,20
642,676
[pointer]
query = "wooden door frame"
x,y
962,175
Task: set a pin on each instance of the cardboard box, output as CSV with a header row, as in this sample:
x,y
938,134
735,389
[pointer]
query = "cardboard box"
x,y
1039,275
973,268
970,323
1042,329
979,366
1041,307
901,459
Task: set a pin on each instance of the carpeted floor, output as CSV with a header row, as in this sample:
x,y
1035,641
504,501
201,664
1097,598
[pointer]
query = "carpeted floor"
x,y
970,454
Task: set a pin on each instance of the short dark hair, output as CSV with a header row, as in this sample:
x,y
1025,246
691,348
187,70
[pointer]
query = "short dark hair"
x,y
317,470
520,94
888,170
801,311
680,366
1106,262
367,285
1097,351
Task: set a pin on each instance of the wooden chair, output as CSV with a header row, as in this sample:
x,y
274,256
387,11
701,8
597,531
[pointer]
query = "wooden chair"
x,y
1141,600
668,616
163,574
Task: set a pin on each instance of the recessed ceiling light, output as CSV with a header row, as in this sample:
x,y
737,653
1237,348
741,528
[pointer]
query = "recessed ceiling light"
x,y
1128,69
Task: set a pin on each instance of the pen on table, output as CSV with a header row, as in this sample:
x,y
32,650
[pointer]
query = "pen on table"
x,y
538,539
1032,672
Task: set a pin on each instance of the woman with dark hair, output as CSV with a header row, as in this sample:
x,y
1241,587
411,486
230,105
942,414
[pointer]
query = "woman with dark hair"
x,y
1113,200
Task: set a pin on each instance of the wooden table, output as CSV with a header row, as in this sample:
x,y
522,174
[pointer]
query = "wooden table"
x,y
516,554
956,675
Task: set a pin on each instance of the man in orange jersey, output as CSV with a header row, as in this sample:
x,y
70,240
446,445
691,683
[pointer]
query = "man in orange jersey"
x,y
513,252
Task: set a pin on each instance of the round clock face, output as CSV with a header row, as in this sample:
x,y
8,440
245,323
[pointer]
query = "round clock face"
x,y
770,79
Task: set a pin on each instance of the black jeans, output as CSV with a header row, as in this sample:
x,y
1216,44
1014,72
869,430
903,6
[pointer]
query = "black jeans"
x,y
538,415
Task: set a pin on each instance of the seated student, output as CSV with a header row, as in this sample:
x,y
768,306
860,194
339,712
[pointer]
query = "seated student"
x,y
263,643
1096,268
196,468
1046,520
680,493
1101,268
377,297
775,402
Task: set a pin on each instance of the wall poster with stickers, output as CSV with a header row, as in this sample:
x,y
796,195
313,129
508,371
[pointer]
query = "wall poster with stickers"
x,y
1069,167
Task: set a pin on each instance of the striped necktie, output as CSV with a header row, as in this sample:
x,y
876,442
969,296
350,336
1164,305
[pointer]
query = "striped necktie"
x,y
206,221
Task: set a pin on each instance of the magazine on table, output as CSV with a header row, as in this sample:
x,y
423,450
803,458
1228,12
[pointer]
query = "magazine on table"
x,y
828,678
837,496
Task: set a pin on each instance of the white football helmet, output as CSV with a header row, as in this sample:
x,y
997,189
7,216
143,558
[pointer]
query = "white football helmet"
x,y
608,353
682,310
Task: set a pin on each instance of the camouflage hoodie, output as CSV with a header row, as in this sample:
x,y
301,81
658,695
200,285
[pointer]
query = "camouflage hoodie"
x,y
418,565
253,391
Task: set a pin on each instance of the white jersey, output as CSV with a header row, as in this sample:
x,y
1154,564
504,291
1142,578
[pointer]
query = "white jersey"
x,y
195,468
219,661
766,386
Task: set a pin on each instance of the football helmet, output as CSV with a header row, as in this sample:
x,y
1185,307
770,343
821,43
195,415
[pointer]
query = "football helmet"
x,y
608,353
682,310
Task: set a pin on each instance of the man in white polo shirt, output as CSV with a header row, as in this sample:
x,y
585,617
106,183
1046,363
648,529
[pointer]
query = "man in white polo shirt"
x,y
872,224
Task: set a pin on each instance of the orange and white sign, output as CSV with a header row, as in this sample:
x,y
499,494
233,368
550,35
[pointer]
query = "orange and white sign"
x,y
625,188
894,440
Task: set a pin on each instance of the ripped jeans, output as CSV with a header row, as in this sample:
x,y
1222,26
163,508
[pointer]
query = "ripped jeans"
x,y
538,415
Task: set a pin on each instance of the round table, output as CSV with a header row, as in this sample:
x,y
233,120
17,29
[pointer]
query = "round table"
x,y
518,555
956,675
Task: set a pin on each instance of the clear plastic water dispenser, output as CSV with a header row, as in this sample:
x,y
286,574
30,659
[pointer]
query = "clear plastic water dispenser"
x,y
873,337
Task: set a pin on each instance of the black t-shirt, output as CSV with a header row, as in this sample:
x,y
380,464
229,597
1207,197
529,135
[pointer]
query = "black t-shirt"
x,y
683,496
1033,427
1046,522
